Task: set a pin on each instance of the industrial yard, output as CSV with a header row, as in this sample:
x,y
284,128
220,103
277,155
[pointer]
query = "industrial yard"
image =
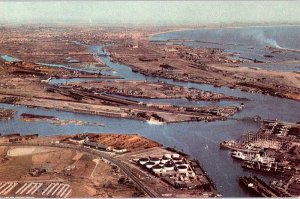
x,y
172,172
95,165
160,90
274,149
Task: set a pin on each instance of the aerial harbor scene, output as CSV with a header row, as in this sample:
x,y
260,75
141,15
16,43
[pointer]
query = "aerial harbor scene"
x,y
167,99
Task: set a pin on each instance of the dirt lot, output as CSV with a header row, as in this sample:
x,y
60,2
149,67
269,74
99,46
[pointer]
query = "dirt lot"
x,y
132,142
87,175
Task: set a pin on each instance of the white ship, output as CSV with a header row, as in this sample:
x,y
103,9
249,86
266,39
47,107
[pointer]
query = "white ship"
x,y
155,122
242,155
253,157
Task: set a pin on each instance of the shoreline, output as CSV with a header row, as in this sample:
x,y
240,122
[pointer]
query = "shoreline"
x,y
222,27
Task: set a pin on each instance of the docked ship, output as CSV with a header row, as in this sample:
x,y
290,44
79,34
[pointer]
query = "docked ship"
x,y
273,167
242,155
252,156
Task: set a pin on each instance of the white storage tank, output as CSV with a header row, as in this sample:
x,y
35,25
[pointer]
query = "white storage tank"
x,y
143,161
156,169
149,165
176,159
169,167
168,156
155,160
178,163
164,160
175,155
182,169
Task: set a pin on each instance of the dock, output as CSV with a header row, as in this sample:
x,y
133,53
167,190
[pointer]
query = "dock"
x,y
260,188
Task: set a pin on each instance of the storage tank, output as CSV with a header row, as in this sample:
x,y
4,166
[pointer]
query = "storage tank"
x,y
175,155
178,163
156,169
182,169
175,159
169,167
165,160
149,165
143,161
168,156
155,160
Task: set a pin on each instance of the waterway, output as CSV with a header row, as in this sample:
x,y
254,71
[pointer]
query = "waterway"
x,y
247,43
9,58
199,139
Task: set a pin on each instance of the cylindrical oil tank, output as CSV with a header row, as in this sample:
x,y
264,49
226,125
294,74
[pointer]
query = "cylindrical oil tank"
x,y
143,161
175,159
149,165
168,156
182,169
169,167
155,160
178,163
175,155
164,160
156,169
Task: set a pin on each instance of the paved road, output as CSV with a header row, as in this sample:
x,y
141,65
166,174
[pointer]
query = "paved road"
x,y
126,169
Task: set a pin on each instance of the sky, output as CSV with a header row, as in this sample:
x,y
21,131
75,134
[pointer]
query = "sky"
x,y
149,12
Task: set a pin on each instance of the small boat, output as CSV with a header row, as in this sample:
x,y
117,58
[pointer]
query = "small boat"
x,y
228,144
155,121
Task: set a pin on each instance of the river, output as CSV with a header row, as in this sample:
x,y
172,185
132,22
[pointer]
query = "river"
x,y
198,139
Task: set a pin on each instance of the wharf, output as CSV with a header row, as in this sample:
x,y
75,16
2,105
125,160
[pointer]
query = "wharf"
x,y
261,189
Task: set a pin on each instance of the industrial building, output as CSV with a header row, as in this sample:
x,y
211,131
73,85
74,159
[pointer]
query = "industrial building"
x,y
176,170
95,145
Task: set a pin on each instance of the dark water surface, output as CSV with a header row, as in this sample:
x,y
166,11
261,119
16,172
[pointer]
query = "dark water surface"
x,y
199,139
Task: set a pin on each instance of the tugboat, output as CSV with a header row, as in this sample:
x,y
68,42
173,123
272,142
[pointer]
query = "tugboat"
x,y
230,144
155,121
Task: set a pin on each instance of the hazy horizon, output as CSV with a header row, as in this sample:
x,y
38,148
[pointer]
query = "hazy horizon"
x,y
149,13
